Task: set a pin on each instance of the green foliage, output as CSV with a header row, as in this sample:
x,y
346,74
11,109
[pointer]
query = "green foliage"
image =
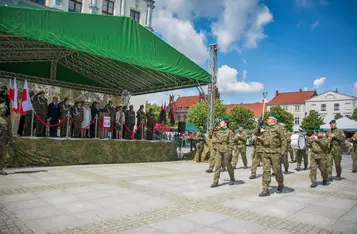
x,y
198,114
240,115
338,116
354,115
312,121
284,116
157,110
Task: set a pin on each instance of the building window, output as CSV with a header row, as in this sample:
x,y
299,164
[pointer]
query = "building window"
x,y
297,121
336,107
323,107
297,108
348,106
58,2
135,15
108,7
285,108
75,5
348,116
313,106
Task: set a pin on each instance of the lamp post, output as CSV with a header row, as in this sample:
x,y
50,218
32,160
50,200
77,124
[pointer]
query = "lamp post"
x,y
265,94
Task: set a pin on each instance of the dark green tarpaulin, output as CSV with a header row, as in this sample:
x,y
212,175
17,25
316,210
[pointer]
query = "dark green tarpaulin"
x,y
122,40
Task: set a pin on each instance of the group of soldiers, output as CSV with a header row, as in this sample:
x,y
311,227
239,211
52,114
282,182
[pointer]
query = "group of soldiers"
x,y
272,146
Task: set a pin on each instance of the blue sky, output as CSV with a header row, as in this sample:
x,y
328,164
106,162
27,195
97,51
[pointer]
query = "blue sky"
x,y
266,45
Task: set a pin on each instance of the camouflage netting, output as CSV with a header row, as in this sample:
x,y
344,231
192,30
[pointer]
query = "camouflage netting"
x,y
49,152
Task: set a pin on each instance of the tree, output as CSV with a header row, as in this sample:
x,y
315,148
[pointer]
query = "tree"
x,y
198,114
241,115
157,109
354,115
312,121
284,116
338,116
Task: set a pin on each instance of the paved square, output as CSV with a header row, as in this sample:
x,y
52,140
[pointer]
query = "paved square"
x,y
172,197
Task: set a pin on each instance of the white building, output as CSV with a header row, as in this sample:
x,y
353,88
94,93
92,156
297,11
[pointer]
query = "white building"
x,y
329,103
294,103
139,10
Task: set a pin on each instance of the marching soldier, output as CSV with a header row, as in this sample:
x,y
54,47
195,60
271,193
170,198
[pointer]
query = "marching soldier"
x,y
336,137
318,157
257,153
5,135
273,140
200,145
354,152
240,147
290,149
285,160
211,161
41,108
222,144
302,154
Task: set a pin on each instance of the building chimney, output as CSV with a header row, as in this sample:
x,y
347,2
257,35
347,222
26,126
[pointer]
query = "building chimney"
x,y
300,90
277,93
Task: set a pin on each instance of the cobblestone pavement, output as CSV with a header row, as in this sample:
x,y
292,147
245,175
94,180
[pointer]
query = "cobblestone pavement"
x,y
171,197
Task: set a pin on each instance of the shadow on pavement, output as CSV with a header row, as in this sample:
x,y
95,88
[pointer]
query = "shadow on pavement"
x,y
285,190
237,182
28,172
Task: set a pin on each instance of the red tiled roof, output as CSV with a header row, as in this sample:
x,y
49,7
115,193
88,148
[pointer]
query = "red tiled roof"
x,y
292,97
257,108
187,101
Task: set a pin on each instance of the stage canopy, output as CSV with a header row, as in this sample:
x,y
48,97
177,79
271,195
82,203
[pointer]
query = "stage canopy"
x,y
99,53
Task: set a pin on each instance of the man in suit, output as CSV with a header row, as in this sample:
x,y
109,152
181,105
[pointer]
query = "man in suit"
x,y
95,113
54,114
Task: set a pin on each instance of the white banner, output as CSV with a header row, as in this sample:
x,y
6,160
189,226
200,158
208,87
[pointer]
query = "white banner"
x,y
106,121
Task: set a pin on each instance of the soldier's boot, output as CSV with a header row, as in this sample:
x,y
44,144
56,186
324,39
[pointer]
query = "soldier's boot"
x,y
354,171
209,170
245,166
214,185
231,182
305,168
313,185
338,177
297,169
273,174
280,188
252,177
223,170
2,172
329,179
264,193
324,182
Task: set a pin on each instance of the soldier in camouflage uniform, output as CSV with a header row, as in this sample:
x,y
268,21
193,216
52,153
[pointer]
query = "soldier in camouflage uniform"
x,y
5,136
41,108
257,153
290,149
336,137
240,147
211,160
285,157
222,144
302,154
200,145
273,140
354,152
318,157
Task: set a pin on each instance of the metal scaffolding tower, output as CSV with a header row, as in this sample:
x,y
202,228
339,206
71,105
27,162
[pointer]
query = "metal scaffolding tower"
x,y
212,66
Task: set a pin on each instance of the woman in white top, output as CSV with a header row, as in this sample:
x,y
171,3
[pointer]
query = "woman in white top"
x,y
87,117
119,117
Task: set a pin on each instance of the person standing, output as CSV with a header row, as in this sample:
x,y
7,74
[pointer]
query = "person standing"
x,y
5,135
119,119
290,149
285,160
77,116
336,138
200,145
273,140
318,157
150,124
301,153
64,111
130,121
258,152
222,144
41,108
354,152
240,147
54,114
94,113
140,119
28,118
87,118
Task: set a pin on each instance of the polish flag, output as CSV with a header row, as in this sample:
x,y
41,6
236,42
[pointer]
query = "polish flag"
x,y
11,91
14,101
25,98
264,100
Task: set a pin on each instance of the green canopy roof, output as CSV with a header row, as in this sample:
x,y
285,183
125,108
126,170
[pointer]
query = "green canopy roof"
x,y
101,53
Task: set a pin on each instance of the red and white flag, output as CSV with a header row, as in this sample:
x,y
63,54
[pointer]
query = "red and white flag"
x,y
11,90
25,98
264,100
14,101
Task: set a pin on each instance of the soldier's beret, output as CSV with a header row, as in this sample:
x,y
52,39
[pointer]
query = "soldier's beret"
x,y
332,121
241,125
224,119
290,130
273,115
316,130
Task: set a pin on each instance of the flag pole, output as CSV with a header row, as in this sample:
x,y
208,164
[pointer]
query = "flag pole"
x,y
32,120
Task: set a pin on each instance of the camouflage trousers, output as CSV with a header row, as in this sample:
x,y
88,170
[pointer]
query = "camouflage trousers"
x,y
199,151
272,161
291,152
302,154
243,153
256,161
286,162
205,152
211,162
2,154
317,163
334,156
220,157
354,160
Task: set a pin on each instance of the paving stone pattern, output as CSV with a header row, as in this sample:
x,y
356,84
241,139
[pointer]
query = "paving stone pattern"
x,y
171,197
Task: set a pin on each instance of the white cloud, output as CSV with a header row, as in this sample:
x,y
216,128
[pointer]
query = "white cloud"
x,y
227,82
241,24
355,88
182,35
244,74
305,89
319,82
314,25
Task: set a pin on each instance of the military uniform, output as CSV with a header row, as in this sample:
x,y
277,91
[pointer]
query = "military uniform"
x,y
200,146
354,152
273,140
41,108
335,152
290,149
318,158
140,117
5,137
257,153
302,154
240,147
222,144
150,124
285,156
211,160
64,111
77,116
130,122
